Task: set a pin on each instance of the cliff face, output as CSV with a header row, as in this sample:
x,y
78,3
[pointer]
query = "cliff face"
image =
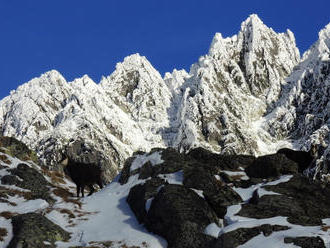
x,y
250,94
303,111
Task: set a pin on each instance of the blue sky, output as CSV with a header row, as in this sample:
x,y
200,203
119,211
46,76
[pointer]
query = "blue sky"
x,y
90,37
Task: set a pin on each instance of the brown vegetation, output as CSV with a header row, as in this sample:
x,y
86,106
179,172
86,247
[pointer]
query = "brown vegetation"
x,y
5,192
4,159
56,177
3,233
325,228
7,215
68,212
110,244
66,196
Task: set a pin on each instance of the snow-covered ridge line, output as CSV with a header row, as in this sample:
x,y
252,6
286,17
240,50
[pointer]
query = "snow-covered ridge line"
x,y
219,105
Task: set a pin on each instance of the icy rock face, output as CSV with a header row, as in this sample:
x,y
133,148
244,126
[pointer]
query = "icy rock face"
x,y
233,86
88,121
250,92
138,89
303,112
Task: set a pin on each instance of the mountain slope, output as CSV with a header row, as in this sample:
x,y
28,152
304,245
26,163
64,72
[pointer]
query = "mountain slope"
x,y
233,86
250,94
303,111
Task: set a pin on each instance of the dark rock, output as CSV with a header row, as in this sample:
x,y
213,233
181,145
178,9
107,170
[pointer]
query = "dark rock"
x,y
31,230
31,179
126,171
139,194
225,162
306,242
173,162
271,166
279,205
10,180
304,202
200,178
303,159
255,197
17,149
242,235
237,237
146,171
312,196
180,216
220,198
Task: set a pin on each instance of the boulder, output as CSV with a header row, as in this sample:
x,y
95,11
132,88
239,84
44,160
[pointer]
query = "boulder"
x,y
180,215
271,166
30,179
242,235
305,242
139,194
225,162
304,202
32,230
17,149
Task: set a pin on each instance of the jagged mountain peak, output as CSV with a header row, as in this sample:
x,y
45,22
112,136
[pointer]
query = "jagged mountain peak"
x,y
220,104
252,22
324,34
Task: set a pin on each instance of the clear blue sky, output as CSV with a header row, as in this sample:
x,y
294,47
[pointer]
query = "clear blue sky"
x,y
78,37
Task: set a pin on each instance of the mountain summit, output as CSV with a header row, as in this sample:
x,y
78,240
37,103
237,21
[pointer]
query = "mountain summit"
x,y
251,94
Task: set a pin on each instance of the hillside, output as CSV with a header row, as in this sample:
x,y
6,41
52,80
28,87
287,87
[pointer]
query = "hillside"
x,y
251,94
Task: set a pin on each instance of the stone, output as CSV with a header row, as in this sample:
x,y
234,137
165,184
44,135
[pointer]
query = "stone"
x,y
180,216
305,242
31,230
271,166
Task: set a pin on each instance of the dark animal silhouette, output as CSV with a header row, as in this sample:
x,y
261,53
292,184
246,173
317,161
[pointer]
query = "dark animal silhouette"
x,y
83,175
303,159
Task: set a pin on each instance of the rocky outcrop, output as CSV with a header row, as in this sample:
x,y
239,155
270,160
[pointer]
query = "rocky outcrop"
x,y
306,242
233,86
33,230
181,208
16,148
242,235
29,178
180,215
302,201
222,104
272,165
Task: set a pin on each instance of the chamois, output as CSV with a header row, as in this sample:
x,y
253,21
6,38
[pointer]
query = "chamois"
x,y
83,174
303,159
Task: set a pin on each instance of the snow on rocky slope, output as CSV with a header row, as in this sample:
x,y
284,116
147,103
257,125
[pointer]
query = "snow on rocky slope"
x,y
225,103
232,204
233,86
303,111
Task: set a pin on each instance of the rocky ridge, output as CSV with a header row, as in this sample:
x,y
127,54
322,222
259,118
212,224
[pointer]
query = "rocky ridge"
x,y
250,94
164,198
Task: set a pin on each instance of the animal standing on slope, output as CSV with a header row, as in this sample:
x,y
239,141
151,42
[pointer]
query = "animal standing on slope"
x,y
83,175
303,159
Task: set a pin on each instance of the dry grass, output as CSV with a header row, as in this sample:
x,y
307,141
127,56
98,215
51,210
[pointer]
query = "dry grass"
x,y
3,233
5,192
4,159
68,212
56,177
66,196
110,244
236,177
7,215
325,228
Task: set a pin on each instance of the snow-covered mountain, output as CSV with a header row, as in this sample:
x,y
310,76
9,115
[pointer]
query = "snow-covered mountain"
x,y
249,94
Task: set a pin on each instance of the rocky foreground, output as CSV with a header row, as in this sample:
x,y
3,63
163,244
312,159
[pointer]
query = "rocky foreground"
x,y
165,199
